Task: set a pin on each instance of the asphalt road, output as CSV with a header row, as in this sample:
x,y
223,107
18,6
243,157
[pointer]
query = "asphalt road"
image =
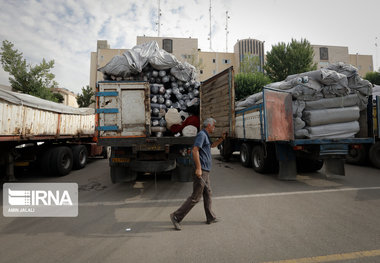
x,y
313,219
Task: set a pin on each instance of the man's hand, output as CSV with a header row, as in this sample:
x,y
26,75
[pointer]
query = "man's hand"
x,y
198,173
224,135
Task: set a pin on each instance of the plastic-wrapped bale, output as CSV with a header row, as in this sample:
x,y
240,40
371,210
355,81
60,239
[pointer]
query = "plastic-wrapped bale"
x,y
337,102
117,67
331,116
333,131
249,101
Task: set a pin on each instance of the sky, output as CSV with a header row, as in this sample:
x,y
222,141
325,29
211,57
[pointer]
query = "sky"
x,y
67,31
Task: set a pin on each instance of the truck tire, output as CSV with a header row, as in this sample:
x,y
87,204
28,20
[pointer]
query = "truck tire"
x,y
357,156
260,163
308,165
246,155
225,150
61,160
80,156
374,154
122,174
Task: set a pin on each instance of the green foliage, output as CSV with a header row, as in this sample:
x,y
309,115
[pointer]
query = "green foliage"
x,y
34,80
59,97
85,99
373,77
250,64
249,83
287,59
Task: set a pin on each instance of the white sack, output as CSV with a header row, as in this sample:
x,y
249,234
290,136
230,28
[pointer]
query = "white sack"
x,y
172,117
190,131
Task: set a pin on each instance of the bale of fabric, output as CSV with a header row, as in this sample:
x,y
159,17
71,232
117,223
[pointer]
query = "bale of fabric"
x,y
333,131
330,116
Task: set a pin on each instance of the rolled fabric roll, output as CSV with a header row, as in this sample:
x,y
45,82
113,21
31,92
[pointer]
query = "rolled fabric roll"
x,y
331,116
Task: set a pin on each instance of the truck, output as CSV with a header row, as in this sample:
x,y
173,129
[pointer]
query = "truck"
x,y
264,133
34,131
368,153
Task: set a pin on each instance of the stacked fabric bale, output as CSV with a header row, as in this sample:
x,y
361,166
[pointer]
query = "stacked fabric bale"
x,y
173,84
326,102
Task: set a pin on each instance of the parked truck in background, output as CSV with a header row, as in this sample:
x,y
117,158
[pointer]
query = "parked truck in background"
x,y
53,136
264,133
369,153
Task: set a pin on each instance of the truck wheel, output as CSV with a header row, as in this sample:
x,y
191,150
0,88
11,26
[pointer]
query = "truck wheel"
x,y
62,160
374,154
357,156
225,150
80,156
245,155
258,160
308,165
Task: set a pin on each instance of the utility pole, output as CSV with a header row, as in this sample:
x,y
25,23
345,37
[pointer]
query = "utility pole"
x,y
210,28
227,32
158,18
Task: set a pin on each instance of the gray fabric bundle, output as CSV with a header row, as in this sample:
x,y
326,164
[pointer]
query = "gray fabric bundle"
x,y
302,92
337,102
344,69
334,131
249,101
330,116
301,134
298,123
335,90
298,107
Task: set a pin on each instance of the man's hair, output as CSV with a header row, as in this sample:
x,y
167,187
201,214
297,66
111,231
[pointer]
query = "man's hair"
x,y
208,121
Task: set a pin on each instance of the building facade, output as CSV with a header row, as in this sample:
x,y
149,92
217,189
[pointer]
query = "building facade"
x,y
324,55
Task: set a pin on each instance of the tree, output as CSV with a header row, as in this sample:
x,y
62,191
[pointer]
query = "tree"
x,y
250,64
373,77
85,99
34,80
287,59
249,83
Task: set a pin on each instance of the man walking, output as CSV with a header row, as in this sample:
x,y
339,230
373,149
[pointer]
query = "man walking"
x,y
201,185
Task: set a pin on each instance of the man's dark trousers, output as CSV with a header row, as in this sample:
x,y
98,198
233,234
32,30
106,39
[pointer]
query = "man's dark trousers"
x,y
199,189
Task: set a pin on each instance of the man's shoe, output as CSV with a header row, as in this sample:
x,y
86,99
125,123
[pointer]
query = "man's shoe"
x,y
215,220
175,222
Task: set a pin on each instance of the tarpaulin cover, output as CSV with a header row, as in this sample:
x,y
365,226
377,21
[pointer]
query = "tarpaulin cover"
x,y
38,103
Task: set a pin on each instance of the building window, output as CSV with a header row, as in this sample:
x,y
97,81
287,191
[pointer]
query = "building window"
x,y
201,71
167,45
323,53
213,60
226,61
